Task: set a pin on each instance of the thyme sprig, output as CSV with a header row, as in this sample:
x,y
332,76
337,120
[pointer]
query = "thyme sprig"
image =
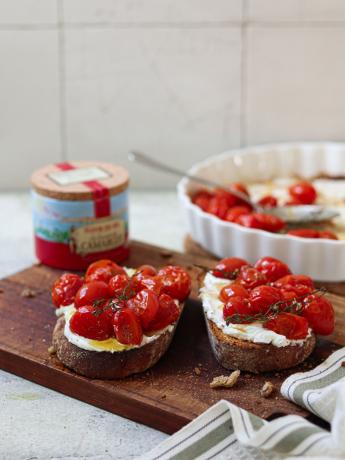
x,y
282,306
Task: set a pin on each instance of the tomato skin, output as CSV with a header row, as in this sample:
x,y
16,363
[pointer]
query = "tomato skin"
x,y
304,192
218,206
231,200
236,309
233,213
175,282
122,286
304,233
146,270
102,270
263,297
202,199
168,313
320,314
249,221
294,280
272,268
228,268
294,327
239,187
145,305
233,290
250,277
90,324
91,292
127,327
269,223
268,201
65,288
328,235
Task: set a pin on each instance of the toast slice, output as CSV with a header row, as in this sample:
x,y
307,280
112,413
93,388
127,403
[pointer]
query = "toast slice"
x,y
106,365
234,353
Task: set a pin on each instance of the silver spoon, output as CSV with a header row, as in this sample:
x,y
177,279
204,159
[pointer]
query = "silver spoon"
x,y
290,214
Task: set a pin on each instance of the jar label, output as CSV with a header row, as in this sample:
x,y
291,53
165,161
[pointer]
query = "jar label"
x,y
76,176
100,236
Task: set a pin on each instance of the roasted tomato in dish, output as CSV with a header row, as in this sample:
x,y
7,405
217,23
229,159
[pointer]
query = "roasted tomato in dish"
x,y
176,282
320,314
88,322
91,292
268,201
145,305
233,290
218,206
304,233
272,268
202,199
127,327
233,213
168,313
250,277
294,327
238,310
263,297
228,268
65,288
304,192
261,221
102,270
122,286
328,235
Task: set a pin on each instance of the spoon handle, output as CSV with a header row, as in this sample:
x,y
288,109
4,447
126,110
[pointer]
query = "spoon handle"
x,y
142,158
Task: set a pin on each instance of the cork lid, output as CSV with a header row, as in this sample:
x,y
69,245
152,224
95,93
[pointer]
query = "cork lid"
x,y
69,181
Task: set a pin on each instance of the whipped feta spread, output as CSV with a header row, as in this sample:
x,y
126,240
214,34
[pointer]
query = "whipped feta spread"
x,y
253,332
111,345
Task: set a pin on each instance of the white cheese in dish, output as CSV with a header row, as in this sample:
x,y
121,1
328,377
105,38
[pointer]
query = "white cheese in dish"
x,y
254,332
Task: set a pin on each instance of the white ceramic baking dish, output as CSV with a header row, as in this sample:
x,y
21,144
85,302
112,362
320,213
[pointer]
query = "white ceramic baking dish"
x,y
323,260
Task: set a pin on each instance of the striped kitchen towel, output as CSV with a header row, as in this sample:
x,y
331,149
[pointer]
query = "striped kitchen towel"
x,y
226,431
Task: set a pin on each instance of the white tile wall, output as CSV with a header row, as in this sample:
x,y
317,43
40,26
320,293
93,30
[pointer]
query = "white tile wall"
x,y
180,80
29,103
174,93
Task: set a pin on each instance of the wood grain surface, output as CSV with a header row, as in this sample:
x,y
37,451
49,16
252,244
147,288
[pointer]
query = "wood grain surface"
x,y
166,397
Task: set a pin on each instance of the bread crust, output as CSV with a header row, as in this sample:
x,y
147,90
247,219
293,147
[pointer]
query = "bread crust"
x,y
106,365
234,353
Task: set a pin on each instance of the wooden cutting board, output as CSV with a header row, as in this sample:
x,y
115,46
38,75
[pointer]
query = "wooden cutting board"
x,y
166,397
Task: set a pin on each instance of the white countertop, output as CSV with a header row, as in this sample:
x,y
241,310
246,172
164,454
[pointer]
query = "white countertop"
x,y
40,424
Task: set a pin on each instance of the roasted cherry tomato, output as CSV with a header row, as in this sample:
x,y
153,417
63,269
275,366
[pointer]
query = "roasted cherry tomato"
x,y
146,270
102,270
304,192
228,268
328,235
145,305
272,268
91,292
202,199
122,286
231,200
65,288
292,202
154,283
218,206
270,223
235,212
294,280
249,221
91,323
168,313
304,233
268,201
294,327
176,282
238,310
320,314
250,277
300,291
127,327
233,290
263,297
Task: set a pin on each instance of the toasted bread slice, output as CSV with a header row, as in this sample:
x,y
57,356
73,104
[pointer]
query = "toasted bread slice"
x,y
106,365
233,353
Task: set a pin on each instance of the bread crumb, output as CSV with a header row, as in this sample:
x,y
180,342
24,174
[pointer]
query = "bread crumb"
x,y
225,381
51,350
166,254
267,390
29,293
197,371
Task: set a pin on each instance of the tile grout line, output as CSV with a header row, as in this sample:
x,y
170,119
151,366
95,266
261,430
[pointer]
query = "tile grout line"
x,y
62,81
243,92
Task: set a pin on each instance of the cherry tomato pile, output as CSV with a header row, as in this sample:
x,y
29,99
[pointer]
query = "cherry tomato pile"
x,y
228,207
268,292
109,303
